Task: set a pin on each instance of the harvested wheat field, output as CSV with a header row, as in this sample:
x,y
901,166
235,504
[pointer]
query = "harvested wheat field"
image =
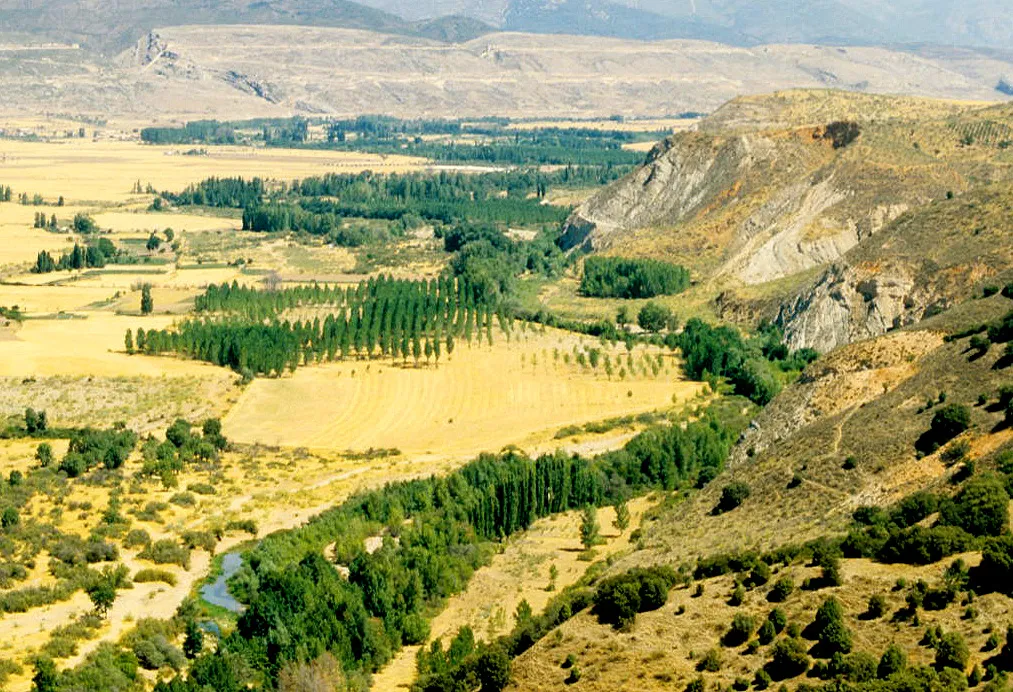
x,y
106,171
457,408
91,346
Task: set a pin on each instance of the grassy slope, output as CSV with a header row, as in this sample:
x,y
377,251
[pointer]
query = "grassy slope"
x,y
861,401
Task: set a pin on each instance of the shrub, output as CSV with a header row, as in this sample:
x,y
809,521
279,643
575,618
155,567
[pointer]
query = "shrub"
x,y
167,552
183,499
762,680
781,590
732,496
981,507
766,633
618,599
947,422
201,488
711,662
788,659
877,606
778,619
137,538
829,629
893,661
952,652
738,596
247,525
740,631
146,576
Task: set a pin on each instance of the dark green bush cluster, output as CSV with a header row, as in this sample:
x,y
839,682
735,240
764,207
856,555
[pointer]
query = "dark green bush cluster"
x,y
619,277
90,448
618,599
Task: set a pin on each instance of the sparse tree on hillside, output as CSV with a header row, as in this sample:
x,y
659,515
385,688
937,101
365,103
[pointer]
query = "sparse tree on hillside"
x,y
589,528
622,520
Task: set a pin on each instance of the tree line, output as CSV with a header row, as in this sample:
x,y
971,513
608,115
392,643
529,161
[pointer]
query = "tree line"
x,y
300,609
619,277
382,317
92,255
318,205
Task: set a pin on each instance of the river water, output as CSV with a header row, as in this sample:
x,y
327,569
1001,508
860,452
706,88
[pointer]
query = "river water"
x,y
218,592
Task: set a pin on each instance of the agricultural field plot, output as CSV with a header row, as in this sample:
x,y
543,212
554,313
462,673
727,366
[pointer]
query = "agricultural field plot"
x,y
106,171
86,347
457,408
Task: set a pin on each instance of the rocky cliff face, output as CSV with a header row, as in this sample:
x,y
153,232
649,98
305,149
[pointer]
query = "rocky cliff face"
x,y
919,266
754,207
847,304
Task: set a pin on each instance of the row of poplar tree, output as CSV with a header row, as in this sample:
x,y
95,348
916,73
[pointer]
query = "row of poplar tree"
x,y
381,318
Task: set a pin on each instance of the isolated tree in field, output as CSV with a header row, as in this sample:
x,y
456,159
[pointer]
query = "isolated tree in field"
x,y
102,594
128,342
147,303
653,317
44,454
622,520
84,224
623,316
154,242
590,534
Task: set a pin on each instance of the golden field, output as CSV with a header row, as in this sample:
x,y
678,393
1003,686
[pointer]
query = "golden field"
x,y
480,399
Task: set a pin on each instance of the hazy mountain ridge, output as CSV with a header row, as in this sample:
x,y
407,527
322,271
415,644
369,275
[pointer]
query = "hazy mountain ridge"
x,y
855,22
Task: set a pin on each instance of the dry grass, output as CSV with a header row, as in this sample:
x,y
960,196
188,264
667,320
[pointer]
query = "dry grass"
x,y
481,399
662,650
102,172
519,572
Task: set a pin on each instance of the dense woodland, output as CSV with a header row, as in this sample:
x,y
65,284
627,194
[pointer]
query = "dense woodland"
x,y
619,277
320,205
487,141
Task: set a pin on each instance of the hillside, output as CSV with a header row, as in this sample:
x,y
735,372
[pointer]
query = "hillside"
x,y
763,190
229,72
109,27
843,437
921,264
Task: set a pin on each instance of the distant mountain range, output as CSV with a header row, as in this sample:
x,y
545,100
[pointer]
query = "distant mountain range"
x,y
110,26
745,22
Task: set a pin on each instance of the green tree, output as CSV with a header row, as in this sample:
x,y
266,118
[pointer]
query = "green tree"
x,y
46,678
952,652
44,454
9,518
147,303
893,661
493,670
193,642
981,507
589,529
154,242
622,520
653,317
128,342
102,594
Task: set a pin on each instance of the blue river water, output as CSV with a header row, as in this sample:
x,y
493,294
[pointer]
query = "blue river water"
x,y
218,592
